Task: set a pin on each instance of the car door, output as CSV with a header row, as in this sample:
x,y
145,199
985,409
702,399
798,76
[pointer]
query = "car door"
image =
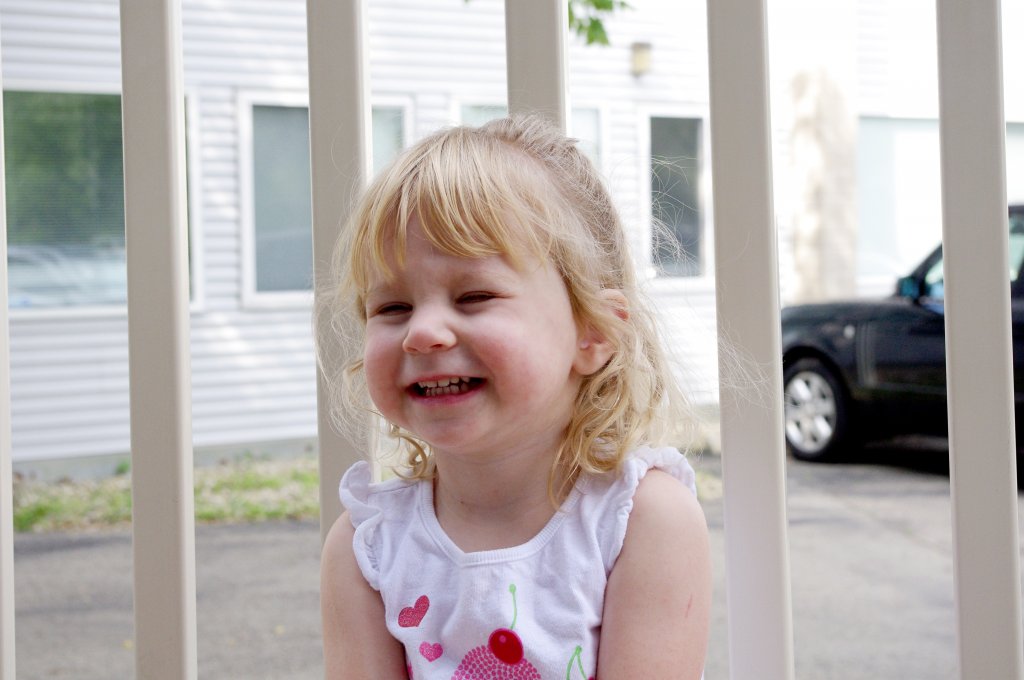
x,y
1016,249
904,351
909,345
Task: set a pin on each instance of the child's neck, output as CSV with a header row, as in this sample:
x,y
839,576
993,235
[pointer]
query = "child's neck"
x,y
497,504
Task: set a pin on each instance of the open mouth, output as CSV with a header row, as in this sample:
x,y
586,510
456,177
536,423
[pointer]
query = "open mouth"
x,y
445,386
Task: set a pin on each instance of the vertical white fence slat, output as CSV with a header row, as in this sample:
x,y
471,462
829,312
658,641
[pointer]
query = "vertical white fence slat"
x,y
163,531
978,360
339,126
535,46
753,457
6,474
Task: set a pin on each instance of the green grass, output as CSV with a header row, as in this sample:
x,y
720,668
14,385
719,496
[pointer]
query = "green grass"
x,y
244,491
248,490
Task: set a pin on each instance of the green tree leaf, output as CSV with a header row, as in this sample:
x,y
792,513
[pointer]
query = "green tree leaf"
x,y
586,18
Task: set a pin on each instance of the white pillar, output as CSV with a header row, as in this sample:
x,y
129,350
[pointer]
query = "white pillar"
x,y
163,532
979,367
753,454
339,138
535,34
6,473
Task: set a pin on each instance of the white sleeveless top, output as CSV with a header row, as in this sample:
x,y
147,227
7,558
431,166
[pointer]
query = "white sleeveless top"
x,y
532,611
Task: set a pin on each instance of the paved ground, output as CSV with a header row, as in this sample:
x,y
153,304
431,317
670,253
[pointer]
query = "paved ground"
x,y
870,554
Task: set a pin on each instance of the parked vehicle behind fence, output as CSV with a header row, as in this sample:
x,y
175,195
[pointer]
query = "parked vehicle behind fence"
x,y
871,369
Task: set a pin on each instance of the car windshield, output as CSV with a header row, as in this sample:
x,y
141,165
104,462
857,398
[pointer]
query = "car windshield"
x,y
933,284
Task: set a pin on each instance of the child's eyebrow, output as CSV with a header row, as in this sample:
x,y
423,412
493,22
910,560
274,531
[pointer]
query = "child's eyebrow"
x,y
471,272
385,289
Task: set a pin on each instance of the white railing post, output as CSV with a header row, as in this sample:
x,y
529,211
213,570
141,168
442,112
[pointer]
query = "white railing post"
x,y
163,531
339,138
753,456
979,367
535,53
6,473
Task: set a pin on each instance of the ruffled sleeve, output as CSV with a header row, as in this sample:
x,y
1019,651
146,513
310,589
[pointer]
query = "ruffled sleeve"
x,y
356,495
666,459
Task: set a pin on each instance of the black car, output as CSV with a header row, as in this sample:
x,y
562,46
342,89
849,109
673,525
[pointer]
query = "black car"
x,y
872,369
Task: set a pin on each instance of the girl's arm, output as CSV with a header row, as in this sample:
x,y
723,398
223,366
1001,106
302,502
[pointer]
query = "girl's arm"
x,y
357,644
658,599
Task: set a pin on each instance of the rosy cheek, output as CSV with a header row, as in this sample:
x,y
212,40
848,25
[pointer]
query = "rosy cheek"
x,y
379,366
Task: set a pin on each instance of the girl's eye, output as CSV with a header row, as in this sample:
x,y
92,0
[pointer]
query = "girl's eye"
x,y
390,309
476,296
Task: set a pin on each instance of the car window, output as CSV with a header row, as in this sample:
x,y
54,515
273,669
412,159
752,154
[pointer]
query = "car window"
x,y
933,282
1016,244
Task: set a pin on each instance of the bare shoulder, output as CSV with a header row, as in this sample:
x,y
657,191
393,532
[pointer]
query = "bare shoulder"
x,y
357,643
662,503
658,599
337,549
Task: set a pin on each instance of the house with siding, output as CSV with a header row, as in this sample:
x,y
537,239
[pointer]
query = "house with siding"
x,y
865,66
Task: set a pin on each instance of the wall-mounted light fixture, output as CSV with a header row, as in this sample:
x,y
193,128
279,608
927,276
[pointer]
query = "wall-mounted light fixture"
x,y
640,58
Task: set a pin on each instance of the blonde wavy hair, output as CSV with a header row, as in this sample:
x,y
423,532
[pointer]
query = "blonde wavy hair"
x,y
516,187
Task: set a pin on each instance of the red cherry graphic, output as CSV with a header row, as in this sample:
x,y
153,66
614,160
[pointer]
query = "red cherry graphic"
x,y
501,659
506,646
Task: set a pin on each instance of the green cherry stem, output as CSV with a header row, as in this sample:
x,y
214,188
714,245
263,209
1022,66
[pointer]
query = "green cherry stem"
x,y
576,656
515,607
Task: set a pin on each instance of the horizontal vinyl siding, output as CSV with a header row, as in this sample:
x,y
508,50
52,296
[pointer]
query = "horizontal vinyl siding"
x,y
71,44
69,386
252,378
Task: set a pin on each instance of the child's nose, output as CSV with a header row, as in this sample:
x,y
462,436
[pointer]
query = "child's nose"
x,y
428,332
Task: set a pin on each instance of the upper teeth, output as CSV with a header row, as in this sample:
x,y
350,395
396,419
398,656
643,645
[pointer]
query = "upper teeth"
x,y
443,382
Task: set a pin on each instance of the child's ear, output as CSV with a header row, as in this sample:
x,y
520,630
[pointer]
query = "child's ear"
x,y
594,350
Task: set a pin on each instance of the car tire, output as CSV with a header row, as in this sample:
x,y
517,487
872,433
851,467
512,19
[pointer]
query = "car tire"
x,y
817,411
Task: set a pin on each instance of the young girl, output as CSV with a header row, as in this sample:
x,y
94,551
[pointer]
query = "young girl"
x,y
534,533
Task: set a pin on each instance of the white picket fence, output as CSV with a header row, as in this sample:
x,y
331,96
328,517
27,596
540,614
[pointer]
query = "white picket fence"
x,y
758,591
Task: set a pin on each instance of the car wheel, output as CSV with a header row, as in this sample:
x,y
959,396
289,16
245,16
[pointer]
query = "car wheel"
x,y
817,411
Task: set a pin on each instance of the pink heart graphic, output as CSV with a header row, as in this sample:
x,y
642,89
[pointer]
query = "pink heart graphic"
x,y
410,617
431,652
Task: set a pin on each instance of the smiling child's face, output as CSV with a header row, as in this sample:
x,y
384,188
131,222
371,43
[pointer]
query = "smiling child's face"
x,y
472,355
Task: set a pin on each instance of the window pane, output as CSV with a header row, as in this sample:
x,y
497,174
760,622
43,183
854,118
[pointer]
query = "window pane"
x,y
478,114
282,213
65,199
388,134
898,194
282,190
675,197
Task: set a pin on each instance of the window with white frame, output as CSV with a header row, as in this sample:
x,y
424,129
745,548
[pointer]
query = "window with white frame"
x,y
678,247
586,124
65,200
281,191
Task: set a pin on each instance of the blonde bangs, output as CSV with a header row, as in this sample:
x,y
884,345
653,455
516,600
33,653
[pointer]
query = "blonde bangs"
x,y
472,195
